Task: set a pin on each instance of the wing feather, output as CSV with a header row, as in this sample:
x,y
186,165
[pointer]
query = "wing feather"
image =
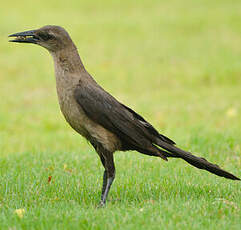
x,y
104,109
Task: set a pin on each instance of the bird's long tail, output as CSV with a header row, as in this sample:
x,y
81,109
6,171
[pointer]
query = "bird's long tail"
x,y
198,162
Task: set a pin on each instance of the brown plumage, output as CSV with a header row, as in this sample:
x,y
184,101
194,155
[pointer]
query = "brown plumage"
x,y
105,122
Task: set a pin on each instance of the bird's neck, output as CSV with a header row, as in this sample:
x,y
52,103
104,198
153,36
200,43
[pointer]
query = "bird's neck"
x,y
68,61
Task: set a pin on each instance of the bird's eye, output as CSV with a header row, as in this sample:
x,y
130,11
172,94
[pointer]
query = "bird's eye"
x,y
45,36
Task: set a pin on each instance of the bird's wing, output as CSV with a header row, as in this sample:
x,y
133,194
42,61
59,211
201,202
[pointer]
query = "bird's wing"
x,y
148,126
105,110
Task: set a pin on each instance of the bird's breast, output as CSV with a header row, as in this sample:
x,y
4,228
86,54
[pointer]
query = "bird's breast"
x,y
68,106
80,122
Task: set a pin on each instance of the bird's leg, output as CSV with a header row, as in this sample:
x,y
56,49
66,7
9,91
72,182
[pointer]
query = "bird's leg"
x,y
107,189
104,175
104,184
110,175
107,161
99,150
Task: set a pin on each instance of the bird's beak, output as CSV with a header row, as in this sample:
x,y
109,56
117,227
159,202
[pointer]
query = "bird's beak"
x,y
25,37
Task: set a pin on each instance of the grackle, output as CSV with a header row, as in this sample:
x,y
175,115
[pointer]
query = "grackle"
x,y
105,122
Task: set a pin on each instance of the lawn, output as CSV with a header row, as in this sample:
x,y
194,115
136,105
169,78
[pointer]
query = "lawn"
x,y
175,62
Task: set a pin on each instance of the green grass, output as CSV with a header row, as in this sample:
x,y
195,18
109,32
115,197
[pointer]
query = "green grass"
x,y
175,62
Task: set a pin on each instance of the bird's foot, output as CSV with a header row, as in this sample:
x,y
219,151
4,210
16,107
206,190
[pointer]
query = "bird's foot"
x,y
101,204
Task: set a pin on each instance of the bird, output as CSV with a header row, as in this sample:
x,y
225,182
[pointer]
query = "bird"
x,y
106,123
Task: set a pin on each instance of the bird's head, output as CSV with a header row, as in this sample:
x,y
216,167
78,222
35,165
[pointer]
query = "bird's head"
x,y
53,38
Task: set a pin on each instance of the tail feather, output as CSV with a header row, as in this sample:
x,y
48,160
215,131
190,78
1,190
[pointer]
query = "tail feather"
x,y
198,162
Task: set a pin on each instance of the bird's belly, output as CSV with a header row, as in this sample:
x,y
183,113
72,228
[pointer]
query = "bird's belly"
x,y
80,122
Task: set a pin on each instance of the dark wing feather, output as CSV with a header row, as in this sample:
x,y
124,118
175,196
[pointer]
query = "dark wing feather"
x,y
150,128
105,110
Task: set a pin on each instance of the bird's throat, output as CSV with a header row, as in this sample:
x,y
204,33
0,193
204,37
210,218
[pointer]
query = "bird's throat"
x,y
68,61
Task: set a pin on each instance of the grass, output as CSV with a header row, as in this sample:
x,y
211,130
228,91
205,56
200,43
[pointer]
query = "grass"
x,y
175,62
